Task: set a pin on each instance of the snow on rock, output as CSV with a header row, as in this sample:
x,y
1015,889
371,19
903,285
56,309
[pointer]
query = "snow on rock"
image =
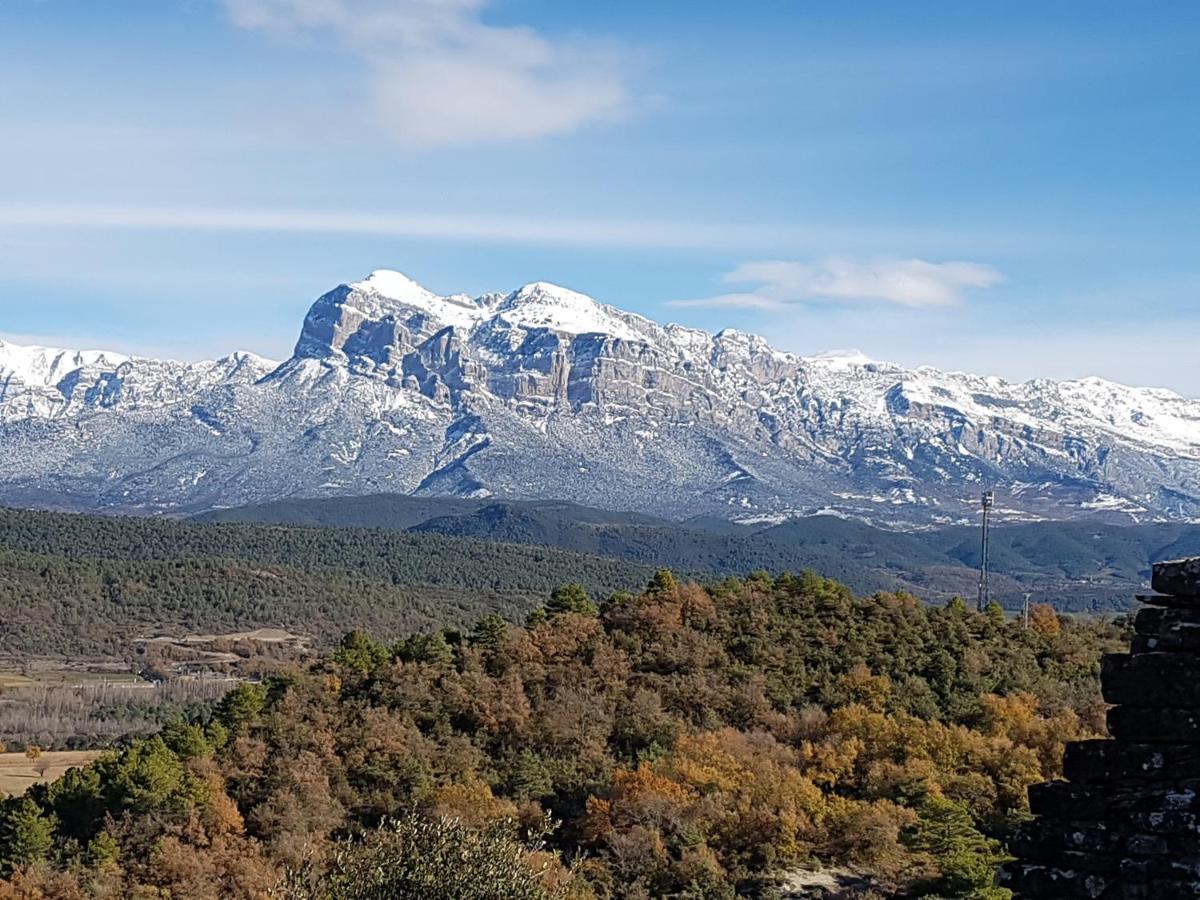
x,y
388,377
398,290
47,365
543,305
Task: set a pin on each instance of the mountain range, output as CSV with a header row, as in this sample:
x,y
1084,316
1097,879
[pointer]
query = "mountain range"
x,y
546,394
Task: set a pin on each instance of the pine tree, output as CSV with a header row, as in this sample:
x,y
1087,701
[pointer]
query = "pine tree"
x,y
26,835
571,598
663,582
966,858
362,652
489,631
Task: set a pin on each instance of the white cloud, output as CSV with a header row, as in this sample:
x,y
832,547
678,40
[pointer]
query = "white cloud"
x,y
438,75
903,282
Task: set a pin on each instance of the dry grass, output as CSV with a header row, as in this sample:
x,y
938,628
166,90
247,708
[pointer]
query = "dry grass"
x,y
17,772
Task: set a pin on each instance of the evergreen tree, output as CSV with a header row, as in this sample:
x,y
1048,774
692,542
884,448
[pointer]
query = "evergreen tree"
x,y
489,631
361,652
26,835
966,859
663,582
571,598
241,705
425,648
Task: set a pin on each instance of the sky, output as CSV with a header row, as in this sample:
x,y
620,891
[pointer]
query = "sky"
x,y
1008,189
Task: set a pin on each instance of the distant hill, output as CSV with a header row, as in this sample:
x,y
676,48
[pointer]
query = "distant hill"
x,y
1075,565
90,585
403,511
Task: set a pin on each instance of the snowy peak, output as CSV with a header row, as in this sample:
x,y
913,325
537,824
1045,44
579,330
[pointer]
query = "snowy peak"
x,y
395,286
544,305
373,319
841,359
393,293
44,366
378,320
543,392
49,383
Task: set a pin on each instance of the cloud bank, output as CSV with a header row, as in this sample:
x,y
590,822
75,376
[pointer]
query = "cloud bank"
x,y
902,282
438,75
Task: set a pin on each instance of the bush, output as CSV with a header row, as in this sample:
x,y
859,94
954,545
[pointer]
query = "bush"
x,y
418,858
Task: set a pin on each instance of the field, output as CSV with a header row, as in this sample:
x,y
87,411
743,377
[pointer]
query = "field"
x,y
18,772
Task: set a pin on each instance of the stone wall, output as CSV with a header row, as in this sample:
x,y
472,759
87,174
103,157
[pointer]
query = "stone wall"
x,y
1126,821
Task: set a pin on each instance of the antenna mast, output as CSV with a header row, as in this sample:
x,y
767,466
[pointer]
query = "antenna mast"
x,y
989,500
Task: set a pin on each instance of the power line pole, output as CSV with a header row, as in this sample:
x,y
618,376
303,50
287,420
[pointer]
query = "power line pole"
x,y
1025,610
989,500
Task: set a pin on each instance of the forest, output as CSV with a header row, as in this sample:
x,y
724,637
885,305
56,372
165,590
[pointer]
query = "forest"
x,y
92,587
88,586
679,741
1076,566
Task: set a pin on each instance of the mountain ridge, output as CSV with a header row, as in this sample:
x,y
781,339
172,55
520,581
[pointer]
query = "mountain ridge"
x,y
1076,566
392,388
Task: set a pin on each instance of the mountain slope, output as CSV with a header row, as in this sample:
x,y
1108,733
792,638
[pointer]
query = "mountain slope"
x,y
543,393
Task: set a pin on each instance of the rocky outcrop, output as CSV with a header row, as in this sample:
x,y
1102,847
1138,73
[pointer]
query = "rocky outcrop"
x,y
1125,822
572,399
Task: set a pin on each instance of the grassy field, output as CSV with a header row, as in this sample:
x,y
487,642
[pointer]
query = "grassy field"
x,y
56,675
17,772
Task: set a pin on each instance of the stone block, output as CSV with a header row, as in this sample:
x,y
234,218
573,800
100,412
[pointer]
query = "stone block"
x,y
1151,679
1159,620
1167,629
1159,889
1154,724
1041,880
1062,801
1167,822
1179,642
1089,762
1177,577
1169,601
1088,846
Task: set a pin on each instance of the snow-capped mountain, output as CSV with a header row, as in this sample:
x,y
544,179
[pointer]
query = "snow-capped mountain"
x,y
546,393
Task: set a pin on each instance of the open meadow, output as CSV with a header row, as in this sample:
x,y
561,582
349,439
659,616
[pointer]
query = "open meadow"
x,y
18,772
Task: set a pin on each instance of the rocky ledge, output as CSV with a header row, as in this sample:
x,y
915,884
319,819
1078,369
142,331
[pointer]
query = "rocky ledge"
x,y
1125,822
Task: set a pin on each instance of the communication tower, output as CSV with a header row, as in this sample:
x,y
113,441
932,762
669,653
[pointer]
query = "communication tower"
x,y
989,500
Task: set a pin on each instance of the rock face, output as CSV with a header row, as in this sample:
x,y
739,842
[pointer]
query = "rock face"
x,y
544,393
1126,821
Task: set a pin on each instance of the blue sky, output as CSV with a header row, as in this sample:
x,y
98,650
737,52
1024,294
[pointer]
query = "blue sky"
x,y
1009,189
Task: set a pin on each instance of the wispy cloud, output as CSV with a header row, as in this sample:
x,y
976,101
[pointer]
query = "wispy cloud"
x,y
482,227
902,282
438,75
534,229
547,228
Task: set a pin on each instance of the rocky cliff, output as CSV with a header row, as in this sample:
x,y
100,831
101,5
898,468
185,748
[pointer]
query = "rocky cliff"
x,y
544,393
